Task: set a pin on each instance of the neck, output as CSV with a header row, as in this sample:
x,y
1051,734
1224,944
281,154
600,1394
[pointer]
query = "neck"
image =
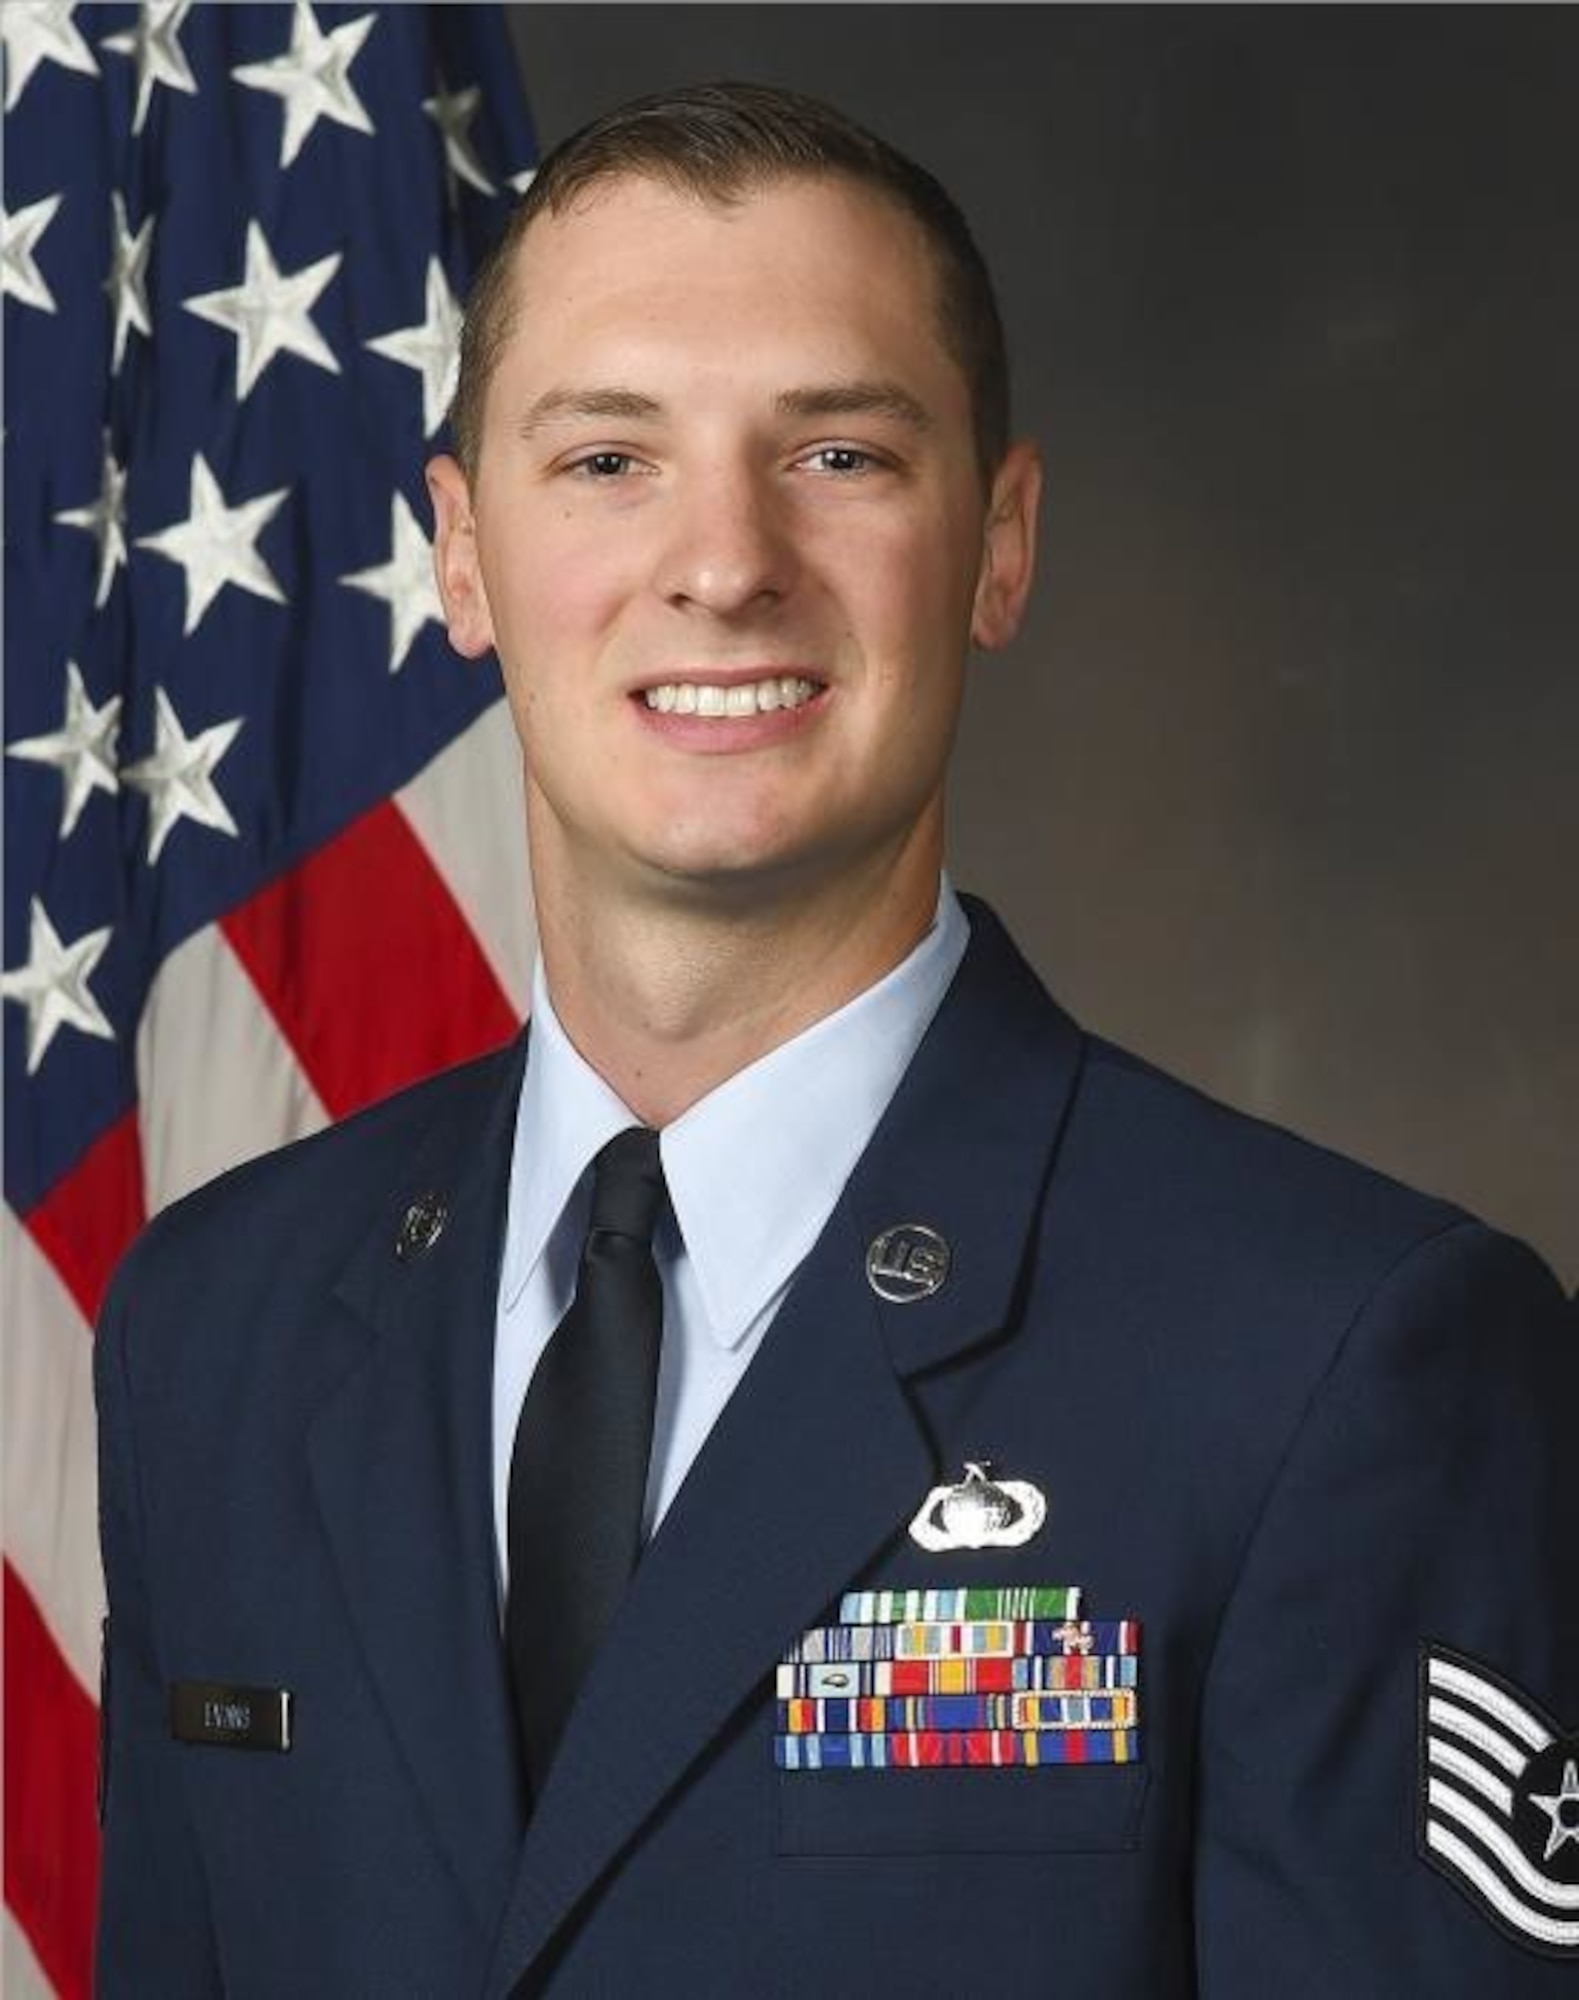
x,y
668,996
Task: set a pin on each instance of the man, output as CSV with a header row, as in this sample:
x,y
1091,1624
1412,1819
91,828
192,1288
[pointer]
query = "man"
x,y
1088,1542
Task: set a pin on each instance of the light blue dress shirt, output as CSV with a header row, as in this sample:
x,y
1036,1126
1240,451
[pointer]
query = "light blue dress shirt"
x,y
753,1170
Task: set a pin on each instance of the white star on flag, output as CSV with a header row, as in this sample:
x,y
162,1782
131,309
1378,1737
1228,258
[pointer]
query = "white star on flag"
x,y
19,238
179,776
268,312
313,78
82,749
405,582
215,544
523,180
453,111
53,985
127,282
155,46
432,347
40,33
104,519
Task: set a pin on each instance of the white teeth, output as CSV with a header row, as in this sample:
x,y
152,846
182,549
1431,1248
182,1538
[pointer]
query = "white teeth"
x,y
754,697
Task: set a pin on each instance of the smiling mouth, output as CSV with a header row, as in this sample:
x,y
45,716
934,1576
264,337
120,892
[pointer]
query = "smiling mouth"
x,y
748,698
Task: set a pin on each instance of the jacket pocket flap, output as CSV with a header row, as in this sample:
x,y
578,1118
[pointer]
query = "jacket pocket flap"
x,y
1085,1809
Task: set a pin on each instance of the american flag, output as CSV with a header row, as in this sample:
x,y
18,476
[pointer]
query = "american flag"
x,y
264,844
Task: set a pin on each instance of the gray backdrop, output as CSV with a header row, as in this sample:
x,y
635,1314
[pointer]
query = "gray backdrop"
x,y
1279,785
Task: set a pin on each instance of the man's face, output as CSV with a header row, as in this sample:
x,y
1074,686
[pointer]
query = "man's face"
x,y
730,539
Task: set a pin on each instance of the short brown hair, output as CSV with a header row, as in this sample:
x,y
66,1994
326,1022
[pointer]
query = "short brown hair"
x,y
718,141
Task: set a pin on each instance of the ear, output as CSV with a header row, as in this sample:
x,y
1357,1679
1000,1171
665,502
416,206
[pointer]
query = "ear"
x,y
455,563
1008,547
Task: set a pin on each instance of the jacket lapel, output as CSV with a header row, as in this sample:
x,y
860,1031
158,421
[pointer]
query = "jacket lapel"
x,y
401,1462
818,1459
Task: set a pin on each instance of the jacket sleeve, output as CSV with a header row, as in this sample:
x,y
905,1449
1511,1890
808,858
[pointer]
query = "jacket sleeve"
x,y
155,1935
1427,1505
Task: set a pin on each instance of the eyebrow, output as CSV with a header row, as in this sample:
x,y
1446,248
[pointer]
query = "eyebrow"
x,y
830,399
855,399
558,405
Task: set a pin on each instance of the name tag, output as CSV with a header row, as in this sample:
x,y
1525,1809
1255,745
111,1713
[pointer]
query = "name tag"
x,y
234,1718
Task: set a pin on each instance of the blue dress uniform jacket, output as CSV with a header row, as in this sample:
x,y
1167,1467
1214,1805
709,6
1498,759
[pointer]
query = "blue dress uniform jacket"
x,y
1295,1419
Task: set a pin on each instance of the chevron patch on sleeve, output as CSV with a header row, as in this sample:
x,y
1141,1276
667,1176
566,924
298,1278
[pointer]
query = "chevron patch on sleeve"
x,y
1499,1801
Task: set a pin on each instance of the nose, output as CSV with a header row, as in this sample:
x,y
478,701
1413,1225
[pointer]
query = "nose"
x,y
728,552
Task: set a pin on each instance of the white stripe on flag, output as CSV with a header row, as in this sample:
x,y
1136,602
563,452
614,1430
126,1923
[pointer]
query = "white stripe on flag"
x,y
1560,1895
21,1977
1476,1776
246,1094
1533,1923
1495,1701
468,810
1448,1715
51,1481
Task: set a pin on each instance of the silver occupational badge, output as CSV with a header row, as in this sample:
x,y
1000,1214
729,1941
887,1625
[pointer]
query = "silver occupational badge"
x,y
979,1513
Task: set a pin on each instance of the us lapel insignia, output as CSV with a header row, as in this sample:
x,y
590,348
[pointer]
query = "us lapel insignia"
x,y
979,1512
908,1262
1499,1801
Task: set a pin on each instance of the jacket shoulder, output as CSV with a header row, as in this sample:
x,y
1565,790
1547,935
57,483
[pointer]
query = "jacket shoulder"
x,y
1159,1176
1236,1268
1234,1204
315,1196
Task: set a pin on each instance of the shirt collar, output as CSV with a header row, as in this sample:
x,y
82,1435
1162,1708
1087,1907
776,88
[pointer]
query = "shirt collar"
x,y
565,1116
754,1167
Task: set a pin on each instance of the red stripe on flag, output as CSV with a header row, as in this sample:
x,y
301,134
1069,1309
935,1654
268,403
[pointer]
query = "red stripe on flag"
x,y
365,961
51,1833
86,1222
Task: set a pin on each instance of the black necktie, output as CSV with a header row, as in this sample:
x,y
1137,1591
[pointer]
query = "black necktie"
x,y
578,1473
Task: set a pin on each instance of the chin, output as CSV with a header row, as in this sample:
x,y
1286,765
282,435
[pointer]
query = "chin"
x,y
711,873
701,850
